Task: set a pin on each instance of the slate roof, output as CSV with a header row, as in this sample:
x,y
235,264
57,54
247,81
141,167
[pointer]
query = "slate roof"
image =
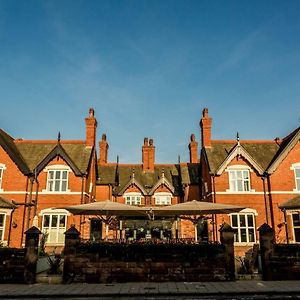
x,y
175,174
29,154
262,153
293,203
286,145
4,203
34,153
7,143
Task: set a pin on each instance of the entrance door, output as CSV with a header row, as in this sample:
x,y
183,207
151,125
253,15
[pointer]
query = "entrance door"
x,y
95,230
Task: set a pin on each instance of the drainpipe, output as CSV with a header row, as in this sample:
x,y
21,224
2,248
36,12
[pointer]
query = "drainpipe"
x,y
81,202
24,211
265,198
36,194
9,229
30,200
286,226
214,219
271,203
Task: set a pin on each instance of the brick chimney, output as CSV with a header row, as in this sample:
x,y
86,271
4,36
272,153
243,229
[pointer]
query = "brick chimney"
x,y
103,146
205,124
148,155
91,125
193,147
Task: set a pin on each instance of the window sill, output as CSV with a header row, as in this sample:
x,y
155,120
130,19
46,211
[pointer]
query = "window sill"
x,y
56,192
243,192
244,244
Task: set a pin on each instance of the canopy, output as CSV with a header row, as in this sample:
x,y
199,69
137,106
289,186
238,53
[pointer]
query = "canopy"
x,y
197,208
107,208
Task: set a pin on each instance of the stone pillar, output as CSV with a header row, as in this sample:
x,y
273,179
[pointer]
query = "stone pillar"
x,y
31,256
266,242
72,239
227,239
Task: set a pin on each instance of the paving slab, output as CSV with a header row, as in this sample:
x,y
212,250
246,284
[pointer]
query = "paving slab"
x,y
134,289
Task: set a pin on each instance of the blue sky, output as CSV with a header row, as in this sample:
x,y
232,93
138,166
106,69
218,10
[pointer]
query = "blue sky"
x,y
148,68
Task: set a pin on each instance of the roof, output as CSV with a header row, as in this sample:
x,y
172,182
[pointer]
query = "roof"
x,y
4,203
7,143
261,152
29,155
293,203
286,146
34,153
120,175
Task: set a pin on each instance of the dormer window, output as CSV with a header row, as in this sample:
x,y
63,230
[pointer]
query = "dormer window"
x,y
239,179
133,198
163,198
57,178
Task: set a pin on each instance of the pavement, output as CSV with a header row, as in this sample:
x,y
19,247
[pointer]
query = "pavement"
x,y
242,289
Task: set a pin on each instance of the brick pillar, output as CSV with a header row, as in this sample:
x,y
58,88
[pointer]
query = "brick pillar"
x,y
266,242
227,239
72,239
31,256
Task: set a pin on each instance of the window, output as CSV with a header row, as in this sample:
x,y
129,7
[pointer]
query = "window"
x,y
54,225
296,226
133,199
239,180
244,224
163,199
2,168
297,178
2,226
57,180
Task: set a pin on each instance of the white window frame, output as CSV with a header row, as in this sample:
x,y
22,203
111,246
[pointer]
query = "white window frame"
x,y
56,169
295,227
133,198
55,233
233,182
163,198
2,168
296,168
245,213
2,228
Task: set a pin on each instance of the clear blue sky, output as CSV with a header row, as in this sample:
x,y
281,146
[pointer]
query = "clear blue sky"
x,y
148,68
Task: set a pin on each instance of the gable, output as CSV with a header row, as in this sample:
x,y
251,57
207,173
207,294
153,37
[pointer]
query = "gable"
x,y
259,154
38,154
287,145
236,153
8,145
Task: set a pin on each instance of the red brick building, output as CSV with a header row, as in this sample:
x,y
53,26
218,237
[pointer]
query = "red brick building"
x,y
36,176
39,178
259,175
149,184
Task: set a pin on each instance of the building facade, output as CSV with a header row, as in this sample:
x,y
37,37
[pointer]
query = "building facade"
x,y
262,176
39,178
